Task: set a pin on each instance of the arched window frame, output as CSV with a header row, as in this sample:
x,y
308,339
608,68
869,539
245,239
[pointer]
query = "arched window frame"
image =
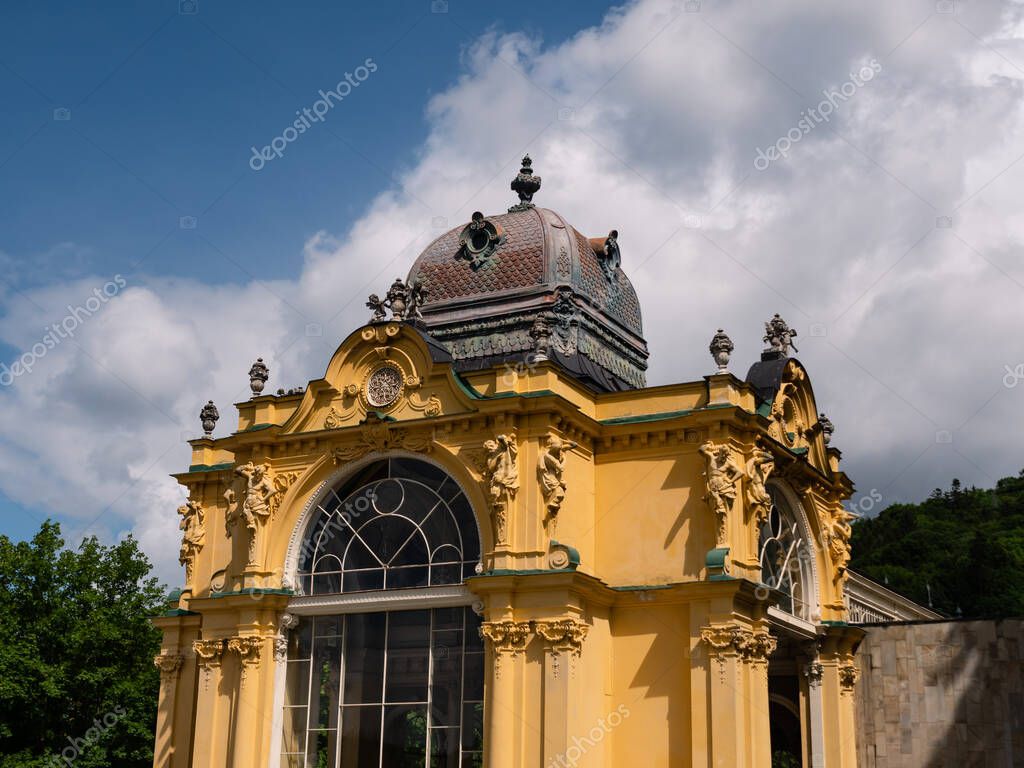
x,y
804,557
356,602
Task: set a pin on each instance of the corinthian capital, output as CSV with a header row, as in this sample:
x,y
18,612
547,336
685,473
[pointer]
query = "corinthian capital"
x,y
506,636
564,635
168,664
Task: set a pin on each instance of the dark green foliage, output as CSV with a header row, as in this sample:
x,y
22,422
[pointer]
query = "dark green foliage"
x,y
966,544
76,653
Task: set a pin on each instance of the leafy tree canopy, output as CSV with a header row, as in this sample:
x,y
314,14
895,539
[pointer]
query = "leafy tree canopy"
x,y
77,681
965,545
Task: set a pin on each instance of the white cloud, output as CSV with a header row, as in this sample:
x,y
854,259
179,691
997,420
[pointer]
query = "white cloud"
x,y
668,110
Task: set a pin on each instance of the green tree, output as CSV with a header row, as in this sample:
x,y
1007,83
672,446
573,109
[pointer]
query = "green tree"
x,y
963,549
76,653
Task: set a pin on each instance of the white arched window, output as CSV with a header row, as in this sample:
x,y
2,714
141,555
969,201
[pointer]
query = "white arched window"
x,y
372,678
786,557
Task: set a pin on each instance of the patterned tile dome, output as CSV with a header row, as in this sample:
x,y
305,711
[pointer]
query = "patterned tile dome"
x,y
526,285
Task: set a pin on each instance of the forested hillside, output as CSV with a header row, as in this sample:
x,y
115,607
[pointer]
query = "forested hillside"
x,y
965,544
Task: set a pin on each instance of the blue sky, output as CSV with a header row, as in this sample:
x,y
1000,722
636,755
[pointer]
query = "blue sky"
x,y
164,108
888,234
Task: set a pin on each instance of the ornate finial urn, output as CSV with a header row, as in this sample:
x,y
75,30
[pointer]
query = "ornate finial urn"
x,y
525,184
208,416
827,427
779,338
258,375
721,348
403,299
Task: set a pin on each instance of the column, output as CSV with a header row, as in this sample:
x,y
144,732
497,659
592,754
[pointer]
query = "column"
x,y
563,645
812,673
209,748
169,665
247,743
505,641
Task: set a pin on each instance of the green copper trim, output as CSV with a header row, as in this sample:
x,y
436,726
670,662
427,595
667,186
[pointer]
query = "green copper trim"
x,y
211,467
764,409
175,613
647,417
256,428
253,591
715,560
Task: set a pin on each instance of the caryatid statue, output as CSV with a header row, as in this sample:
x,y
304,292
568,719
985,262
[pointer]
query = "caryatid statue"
x,y
759,467
501,472
550,468
723,476
254,509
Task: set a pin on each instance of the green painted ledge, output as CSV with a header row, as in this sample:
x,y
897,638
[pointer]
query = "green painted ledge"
x,y
210,467
253,591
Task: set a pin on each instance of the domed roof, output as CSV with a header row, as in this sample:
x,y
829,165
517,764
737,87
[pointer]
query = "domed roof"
x,y
525,283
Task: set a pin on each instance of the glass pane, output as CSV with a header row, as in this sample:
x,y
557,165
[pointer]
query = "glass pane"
x,y
408,656
446,686
401,578
384,535
446,574
357,581
296,689
444,748
405,736
472,760
320,749
358,556
420,471
364,658
447,618
302,639
360,737
473,726
411,552
293,733
473,640
326,584
325,683
474,689
389,496
293,761
328,626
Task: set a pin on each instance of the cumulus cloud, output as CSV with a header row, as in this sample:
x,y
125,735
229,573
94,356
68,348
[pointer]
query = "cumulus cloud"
x,y
889,236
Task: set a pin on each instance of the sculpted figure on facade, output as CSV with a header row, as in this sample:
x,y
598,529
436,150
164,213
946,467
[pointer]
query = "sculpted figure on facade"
x,y
550,468
839,533
501,473
255,508
760,465
722,477
193,535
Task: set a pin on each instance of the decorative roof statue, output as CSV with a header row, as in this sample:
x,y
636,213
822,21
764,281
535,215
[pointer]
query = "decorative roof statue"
x,y
827,428
721,348
541,335
779,338
208,416
610,255
258,375
525,184
404,300
479,240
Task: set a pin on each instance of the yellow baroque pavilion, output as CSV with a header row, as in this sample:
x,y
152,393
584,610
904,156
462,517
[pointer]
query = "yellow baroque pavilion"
x,y
481,539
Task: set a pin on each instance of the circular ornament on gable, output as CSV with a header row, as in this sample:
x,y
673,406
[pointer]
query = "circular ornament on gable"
x,y
383,386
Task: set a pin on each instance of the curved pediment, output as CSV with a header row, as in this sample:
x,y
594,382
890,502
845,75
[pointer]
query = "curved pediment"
x,y
787,400
388,370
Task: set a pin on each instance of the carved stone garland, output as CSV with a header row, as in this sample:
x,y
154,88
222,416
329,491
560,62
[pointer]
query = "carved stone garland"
x,y
848,675
501,474
378,435
723,476
507,638
208,655
566,637
169,665
725,640
248,649
193,535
